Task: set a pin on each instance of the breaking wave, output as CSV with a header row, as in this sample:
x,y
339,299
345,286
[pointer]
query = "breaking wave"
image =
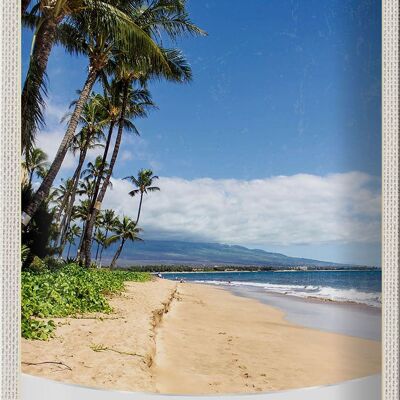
x,y
373,299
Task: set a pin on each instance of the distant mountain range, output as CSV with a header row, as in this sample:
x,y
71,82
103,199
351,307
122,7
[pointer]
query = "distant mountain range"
x,y
191,253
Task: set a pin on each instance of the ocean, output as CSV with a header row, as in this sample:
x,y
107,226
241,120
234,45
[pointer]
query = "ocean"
x,y
361,287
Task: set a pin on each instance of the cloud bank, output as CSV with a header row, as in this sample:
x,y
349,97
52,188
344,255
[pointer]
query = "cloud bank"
x,y
283,210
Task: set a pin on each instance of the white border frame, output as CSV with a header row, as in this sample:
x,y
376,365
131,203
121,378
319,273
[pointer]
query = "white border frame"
x,y
390,197
10,200
10,68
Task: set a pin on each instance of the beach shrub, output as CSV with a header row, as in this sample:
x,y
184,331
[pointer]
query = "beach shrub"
x,y
67,291
37,265
38,235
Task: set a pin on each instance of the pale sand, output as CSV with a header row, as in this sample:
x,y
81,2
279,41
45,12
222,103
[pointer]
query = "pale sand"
x,y
209,341
129,329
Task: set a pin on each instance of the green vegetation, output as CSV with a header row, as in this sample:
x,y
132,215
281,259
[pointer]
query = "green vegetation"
x,y
123,42
67,291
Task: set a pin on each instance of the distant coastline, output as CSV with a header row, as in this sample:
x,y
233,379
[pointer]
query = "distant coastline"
x,y
171,268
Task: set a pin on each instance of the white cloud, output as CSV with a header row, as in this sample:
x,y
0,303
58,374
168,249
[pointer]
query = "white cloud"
x,y
282,210
49,142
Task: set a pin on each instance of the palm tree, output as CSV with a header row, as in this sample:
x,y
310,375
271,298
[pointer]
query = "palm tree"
x,y
109,221
81,212
100,239
95,170
93,37
86,188
59,196
180,72
89,137
124,230
139,101
35,162
73,232
61,21
143,182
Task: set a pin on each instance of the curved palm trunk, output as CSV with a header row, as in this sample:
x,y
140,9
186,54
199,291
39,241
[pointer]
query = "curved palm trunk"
x,y
47,182
68,212
140,207
97,201
31,93
117,254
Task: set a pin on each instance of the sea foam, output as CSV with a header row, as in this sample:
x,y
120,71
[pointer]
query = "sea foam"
x,y
373,299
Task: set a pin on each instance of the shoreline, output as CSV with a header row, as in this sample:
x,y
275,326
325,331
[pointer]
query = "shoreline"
x,y
307,299
167,337
349,318
237,285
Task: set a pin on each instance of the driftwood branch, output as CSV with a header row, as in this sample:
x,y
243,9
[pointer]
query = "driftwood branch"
x,y
48,362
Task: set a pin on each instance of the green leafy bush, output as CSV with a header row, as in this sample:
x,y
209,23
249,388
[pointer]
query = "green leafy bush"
x,y
37,265
65,292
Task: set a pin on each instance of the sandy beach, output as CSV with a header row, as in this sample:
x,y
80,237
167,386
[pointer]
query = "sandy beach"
x,y
169,337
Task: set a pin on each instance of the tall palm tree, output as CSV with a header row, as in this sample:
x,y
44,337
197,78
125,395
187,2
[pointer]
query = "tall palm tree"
x,y
180,72
93,37
86,188
81,212
53,22
109,222
89,137
60,194
124,230
100,239
139,101
95,170
35,163
143,182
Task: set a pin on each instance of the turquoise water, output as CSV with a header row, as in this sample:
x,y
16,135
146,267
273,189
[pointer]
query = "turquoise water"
x,y
362,287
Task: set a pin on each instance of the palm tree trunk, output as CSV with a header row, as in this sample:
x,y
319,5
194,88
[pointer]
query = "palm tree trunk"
x,y
24,6
68,212
47,182
102,246
97,201
69,248
30,178
140,207
31,100
117,254
69,198
99,177
78,252
68,192
97,250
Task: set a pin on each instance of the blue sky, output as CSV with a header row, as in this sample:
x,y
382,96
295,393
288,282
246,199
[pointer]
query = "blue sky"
x,y
280,88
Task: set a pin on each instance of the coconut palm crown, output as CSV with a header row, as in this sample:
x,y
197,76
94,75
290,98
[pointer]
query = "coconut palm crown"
x,y
125,230
144,184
